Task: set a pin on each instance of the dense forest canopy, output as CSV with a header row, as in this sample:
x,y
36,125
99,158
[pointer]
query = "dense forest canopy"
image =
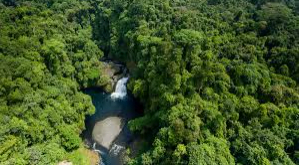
x,y
46,56
218,78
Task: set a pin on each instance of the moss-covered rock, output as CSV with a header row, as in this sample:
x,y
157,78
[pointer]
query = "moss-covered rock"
x,y
110,74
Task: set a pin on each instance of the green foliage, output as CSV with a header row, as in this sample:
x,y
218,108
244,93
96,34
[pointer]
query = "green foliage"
x,y
212,151
47,55
218,78
80,156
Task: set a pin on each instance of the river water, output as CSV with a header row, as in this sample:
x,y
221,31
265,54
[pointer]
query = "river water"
x,y
118,104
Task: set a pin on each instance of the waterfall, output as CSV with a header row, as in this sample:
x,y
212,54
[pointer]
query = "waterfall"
x,y
121,89
119,93
116,105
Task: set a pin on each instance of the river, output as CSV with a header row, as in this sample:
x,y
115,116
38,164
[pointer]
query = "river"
x,y
106,130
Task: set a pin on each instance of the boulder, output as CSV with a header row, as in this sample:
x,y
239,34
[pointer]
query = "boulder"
x,y
113,72
106,131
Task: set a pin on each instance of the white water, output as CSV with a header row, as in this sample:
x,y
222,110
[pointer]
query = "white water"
x,y
115,149
98,151
121,89
119,93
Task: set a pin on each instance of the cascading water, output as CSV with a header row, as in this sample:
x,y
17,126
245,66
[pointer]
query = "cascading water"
x,y
99,152
120,89
111,109
116,149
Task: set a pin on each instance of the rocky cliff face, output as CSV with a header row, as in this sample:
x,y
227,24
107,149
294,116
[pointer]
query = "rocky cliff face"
x,y
112,72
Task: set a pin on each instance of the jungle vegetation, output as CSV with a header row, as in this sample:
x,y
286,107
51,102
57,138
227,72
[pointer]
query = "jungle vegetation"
x,y
46,56
218,79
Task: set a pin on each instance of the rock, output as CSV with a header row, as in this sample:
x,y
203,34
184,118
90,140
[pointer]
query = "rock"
x,y
116,67
117,77
112,69
106,131
108,88
113,72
